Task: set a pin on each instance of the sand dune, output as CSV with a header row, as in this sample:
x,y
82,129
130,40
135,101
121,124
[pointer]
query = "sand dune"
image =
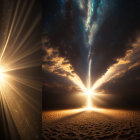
x,y
98,124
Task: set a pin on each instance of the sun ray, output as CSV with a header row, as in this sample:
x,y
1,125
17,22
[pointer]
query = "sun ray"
x,y
10,31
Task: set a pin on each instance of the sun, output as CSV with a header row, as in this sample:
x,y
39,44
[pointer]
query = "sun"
x,y
4,76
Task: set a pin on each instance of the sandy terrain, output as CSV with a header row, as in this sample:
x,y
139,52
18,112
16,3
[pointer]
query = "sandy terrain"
x,y
98,124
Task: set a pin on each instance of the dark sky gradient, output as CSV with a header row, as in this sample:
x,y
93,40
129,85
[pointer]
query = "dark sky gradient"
x,y
118,29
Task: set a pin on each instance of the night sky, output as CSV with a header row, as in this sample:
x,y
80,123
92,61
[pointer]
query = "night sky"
x,y
115,43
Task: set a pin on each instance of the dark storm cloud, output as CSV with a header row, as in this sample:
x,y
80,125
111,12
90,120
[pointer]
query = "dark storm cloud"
x,y
118,24
66,33
59,92
122,81
115,34
126,90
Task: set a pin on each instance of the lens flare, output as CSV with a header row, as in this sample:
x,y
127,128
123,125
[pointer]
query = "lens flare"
x,y
19,87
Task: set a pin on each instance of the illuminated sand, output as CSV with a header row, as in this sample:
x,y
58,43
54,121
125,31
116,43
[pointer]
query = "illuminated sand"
x,y
95,124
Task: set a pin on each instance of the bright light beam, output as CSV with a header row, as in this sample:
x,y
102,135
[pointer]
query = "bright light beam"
x,y
89,103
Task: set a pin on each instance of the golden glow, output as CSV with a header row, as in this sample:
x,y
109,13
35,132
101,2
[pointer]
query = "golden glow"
x,y
62,67
56,115
60,114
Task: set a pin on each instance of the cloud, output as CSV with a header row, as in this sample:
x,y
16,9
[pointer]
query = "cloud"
x,y
118,30
122,66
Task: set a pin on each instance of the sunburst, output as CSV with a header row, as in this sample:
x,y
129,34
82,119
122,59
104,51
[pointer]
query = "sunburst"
x,y
19,62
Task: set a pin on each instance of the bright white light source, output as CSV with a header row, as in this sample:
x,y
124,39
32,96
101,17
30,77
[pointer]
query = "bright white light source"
x,y
88,92
2,78
89,103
